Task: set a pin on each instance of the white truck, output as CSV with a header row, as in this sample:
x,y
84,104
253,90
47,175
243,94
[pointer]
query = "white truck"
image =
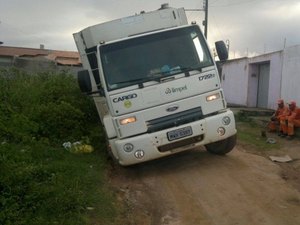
x,y
155,85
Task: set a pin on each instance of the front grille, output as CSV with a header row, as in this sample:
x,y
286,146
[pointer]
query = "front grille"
x,y
174,120
178,144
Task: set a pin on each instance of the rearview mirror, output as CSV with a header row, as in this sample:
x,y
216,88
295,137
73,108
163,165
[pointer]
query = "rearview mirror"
x,y
85,84
221,50
84,81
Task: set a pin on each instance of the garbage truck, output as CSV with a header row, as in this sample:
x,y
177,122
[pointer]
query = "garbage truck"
x,y
155,85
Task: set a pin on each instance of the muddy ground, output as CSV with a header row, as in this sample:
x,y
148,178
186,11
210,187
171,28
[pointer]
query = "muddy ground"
x,y
195,187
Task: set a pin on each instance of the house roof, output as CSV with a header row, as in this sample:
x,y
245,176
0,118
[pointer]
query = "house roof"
x,y
61,57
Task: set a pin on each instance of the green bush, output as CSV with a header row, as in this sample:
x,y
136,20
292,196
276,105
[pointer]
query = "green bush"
x,y
45,106
46,185
41,182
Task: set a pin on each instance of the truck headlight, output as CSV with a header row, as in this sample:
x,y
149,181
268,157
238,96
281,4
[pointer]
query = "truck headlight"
x,y
127,120
212,97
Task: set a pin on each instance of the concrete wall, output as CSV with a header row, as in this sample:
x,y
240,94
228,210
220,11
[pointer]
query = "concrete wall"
x,y
252,85
290,85
275,61
235,81
240,79
36,64
6,61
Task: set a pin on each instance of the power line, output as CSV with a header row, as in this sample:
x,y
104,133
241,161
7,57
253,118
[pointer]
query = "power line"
x,y
233,4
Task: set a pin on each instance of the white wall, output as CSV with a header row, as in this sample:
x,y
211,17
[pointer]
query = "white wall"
x,y
275,60
235,81
241,79
252,85
290,89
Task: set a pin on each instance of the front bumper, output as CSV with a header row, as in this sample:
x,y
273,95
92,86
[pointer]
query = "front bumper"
x,y
156,145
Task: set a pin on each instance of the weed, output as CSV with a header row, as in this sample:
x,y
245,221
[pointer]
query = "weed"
x,y
40,182
243,117
45,185
46,106
249,133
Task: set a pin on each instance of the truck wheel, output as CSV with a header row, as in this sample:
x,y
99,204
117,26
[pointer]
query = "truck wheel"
x,y
222,147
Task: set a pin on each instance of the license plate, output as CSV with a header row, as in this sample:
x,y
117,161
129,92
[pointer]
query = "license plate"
x,y
179,133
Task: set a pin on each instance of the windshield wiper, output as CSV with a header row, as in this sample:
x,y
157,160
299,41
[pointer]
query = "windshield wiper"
x,y
159,76
190,68
134,81
156,76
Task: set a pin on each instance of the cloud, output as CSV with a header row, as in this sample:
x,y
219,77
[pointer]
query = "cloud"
x,y
258,26
283,13
252,26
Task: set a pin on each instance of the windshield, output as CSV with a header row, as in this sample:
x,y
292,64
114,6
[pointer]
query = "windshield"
x,y
153,57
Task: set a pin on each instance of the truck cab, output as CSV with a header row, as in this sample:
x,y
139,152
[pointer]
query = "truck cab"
x,y
155,85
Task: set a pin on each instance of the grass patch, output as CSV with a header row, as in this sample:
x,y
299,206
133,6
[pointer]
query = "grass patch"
x,y
249,134
40,181
45,185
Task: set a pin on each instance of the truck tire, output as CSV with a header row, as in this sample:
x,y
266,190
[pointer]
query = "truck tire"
x,y
222,147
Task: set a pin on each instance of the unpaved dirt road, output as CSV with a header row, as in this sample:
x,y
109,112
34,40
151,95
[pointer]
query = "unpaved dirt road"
x,y
196,187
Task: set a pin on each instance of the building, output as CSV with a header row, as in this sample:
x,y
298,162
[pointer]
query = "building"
x,y
260,81
32,59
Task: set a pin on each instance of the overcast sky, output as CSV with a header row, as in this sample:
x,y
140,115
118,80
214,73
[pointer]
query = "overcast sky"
x,y
250,26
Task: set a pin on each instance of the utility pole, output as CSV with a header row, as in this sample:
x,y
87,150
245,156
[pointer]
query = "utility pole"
x,y
1,42
206,18
205,9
